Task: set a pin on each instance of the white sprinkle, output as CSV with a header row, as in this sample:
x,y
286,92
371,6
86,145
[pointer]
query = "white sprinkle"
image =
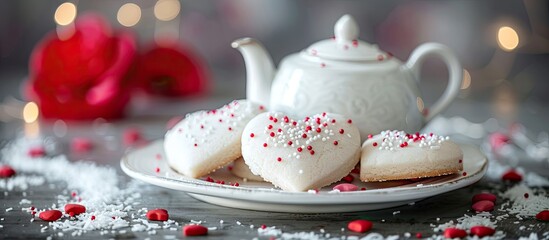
x,y
9,209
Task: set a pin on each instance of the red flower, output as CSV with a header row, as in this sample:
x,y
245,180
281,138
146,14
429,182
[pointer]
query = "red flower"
x,y
171,70
85,75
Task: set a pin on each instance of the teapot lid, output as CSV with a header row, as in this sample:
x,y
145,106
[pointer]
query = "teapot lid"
x,y
345,46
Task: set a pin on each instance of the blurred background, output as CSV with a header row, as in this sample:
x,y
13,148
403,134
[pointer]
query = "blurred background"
x,y
502,45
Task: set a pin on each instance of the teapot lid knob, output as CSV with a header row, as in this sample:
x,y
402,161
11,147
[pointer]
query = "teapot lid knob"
x,y
346,29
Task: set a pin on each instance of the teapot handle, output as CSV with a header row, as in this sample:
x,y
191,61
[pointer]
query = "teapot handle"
x,y
454,69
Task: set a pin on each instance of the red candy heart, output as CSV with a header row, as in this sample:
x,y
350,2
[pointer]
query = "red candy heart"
x,y
543,216
454,233
346,187
132,136
74,209
195,230
6,171
158,215
484,196
482,231
511,176
483,206
80,144
50,215
37,152
360,226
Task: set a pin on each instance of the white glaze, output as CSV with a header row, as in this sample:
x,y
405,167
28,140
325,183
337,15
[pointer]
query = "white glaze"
x,y
396,155
349,77
275,155
207,140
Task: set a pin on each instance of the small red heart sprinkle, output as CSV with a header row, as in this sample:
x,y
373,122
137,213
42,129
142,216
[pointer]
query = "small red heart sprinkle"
x,y
360,226
158,214
132,136
454,233
511,176
418,235
484,196
482,231
543,216
483,206
348,179
37,152
263,226
50,215
346,187
6,171
74,209
195,230
80,144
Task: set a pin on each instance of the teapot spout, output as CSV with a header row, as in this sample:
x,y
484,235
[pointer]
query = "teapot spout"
x,y
259,70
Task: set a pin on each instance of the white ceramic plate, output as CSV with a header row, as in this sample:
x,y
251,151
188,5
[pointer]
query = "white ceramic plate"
x,y
143,163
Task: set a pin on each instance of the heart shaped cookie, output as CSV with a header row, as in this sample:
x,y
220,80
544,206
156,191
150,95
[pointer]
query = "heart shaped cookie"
x,y
299,155
395,155
207,140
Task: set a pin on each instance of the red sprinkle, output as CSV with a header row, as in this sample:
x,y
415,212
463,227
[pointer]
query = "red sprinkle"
x,y
37,152
74,209
375,144
304,135
157,169
6,171
299,149
483,206
92,217
50,215
345,187
341,131
336,143
290,143
464,174
526,195
272,134
279,159
419,235
80,144
131,136
264,144
195,230
158,214
263,226
270,127
370,136
309,147
484,196
360,226
348,179
543,216
511,176
252,134
196,145
482,231
454,233
261,107
312,152
349,121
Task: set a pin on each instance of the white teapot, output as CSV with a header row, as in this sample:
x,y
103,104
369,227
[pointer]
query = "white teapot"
x,y
347,76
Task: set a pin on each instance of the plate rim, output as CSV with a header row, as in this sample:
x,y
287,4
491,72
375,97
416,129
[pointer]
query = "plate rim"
x,y
202,187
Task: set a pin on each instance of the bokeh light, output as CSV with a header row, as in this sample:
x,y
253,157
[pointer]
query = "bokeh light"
x,y
129,14
508,38
166,10
30,112
65,14
466,83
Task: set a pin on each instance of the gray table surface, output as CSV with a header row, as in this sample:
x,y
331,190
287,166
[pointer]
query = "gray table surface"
x,y
417,218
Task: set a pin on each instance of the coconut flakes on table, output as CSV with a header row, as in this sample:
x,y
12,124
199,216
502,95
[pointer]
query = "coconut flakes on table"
x,y
99,188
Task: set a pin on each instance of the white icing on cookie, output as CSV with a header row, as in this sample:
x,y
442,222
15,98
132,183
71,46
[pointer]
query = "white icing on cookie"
x,y
298,155
394,155
207,140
